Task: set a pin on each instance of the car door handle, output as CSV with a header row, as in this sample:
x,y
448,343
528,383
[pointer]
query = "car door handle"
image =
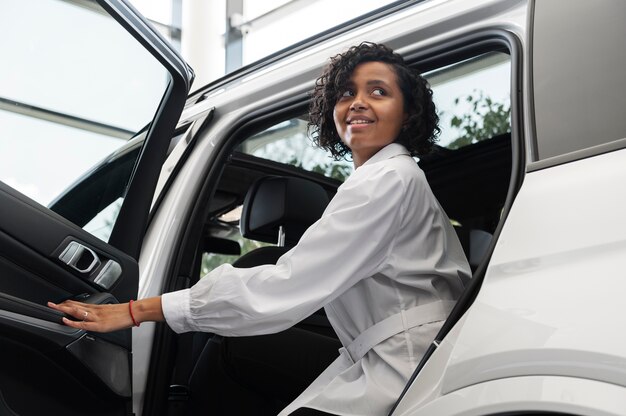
x,y
79,257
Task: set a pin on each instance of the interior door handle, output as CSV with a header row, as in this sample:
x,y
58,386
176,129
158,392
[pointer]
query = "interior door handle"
x,y
79,257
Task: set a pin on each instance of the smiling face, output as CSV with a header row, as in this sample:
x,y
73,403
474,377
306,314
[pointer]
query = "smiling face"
x,y
370,112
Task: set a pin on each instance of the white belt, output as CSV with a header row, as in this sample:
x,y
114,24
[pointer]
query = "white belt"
x,y
400,322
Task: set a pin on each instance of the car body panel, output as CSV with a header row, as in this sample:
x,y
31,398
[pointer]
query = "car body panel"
x,y
560,251
553,283
533,395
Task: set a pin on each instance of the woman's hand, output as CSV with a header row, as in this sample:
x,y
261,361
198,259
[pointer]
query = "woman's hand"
x,y
110,317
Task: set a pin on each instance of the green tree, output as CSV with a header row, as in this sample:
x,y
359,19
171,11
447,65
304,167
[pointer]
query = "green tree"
x,y
333,170
487,119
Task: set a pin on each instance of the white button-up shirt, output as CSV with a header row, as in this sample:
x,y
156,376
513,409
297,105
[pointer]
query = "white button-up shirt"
x,y
382,250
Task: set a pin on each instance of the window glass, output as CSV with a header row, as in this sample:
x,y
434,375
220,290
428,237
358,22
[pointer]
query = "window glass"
x,y
287,142
578,59
473,99
74,88
102,224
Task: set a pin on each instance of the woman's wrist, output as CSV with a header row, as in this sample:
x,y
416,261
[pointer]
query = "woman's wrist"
x,y
132,315
146,310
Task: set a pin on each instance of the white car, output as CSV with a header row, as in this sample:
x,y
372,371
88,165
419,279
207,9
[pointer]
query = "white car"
x,y
117,185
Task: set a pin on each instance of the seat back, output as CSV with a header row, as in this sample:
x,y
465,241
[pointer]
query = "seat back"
x,y
274,203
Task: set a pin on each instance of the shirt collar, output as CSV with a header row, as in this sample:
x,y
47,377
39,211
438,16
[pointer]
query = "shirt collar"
x,y
387,152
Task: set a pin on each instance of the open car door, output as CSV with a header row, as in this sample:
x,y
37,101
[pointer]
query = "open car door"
x,y
79,80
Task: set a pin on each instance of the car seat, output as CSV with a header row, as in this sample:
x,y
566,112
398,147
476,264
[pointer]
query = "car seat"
x,y
278,210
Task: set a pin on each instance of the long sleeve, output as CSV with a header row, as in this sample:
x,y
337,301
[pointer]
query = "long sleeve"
x,y
350,242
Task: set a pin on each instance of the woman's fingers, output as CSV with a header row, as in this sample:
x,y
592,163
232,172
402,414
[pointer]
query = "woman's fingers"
x,y
87,326
89,317
82,312
75,309
99,318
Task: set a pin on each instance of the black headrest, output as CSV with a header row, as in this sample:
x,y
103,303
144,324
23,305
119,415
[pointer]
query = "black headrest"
x,y
273,201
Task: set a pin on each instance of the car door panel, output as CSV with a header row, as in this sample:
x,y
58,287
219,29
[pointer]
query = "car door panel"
x,y
34,239
48,367
36,346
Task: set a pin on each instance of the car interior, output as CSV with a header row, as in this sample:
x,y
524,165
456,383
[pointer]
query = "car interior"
x,y
471,184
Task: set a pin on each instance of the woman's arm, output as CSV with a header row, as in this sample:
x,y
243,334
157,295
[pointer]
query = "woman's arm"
x,y
107,318
349,243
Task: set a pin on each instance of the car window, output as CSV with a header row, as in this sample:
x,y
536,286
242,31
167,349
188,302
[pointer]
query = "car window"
x,y
102,224
71,99
95,200
473,99
288,142
579,100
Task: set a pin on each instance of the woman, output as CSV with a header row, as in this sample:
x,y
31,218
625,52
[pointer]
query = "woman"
x,y
383,260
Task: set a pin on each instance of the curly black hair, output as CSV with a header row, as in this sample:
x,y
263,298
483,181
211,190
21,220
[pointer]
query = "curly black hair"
x,y
421,128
